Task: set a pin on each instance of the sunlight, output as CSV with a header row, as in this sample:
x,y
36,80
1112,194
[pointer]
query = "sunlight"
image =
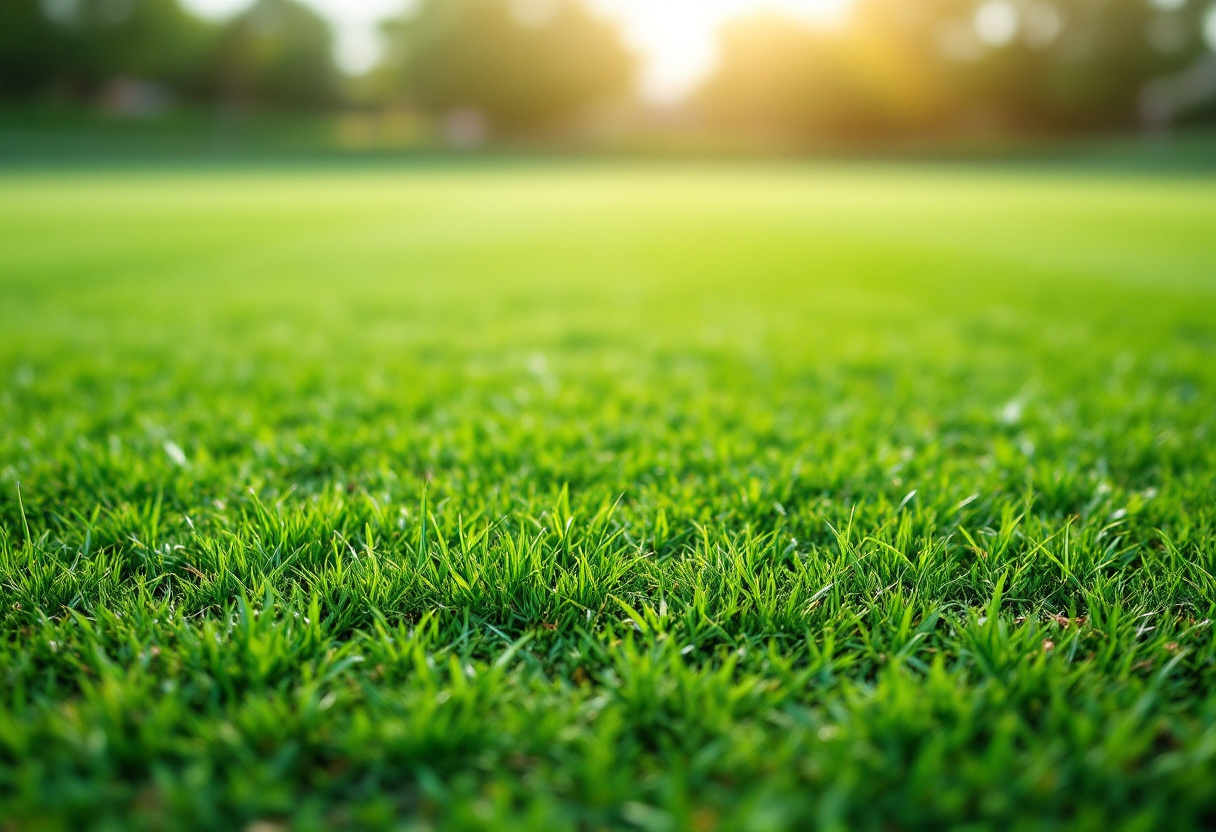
x,y
676,39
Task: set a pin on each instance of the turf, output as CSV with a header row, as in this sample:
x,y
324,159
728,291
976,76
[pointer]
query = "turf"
x,y
607,496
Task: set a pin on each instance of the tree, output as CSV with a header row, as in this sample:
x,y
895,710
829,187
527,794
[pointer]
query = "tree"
x,y
939,66
778,76
522,64
276,53
75,46
1040,64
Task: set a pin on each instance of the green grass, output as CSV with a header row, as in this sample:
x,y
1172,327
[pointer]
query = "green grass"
x,y
595,496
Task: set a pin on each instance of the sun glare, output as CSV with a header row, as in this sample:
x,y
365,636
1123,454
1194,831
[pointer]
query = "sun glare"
x,y
677,39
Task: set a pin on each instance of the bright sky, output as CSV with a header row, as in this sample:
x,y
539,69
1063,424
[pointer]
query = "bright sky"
x,y
674,37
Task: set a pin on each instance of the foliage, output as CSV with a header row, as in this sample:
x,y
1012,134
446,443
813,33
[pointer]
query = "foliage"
x,y
276,52
523,64
607,497
950,65
75,46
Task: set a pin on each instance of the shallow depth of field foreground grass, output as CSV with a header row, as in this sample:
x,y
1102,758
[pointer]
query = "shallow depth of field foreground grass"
x,y
607,497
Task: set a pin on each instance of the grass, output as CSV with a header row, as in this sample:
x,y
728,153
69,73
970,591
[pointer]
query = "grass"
x,y
606,496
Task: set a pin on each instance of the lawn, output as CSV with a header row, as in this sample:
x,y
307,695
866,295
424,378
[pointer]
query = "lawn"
x,y
589,495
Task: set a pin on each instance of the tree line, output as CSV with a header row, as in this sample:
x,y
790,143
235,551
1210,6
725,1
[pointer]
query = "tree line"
x,y
889,67
949,65
277,52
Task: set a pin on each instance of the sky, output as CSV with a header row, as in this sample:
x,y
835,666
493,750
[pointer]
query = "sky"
x,y
676,38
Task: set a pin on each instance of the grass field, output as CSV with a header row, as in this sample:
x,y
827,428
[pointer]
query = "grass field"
x,y
607,496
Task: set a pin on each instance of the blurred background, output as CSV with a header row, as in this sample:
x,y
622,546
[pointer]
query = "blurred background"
x,y
720,75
